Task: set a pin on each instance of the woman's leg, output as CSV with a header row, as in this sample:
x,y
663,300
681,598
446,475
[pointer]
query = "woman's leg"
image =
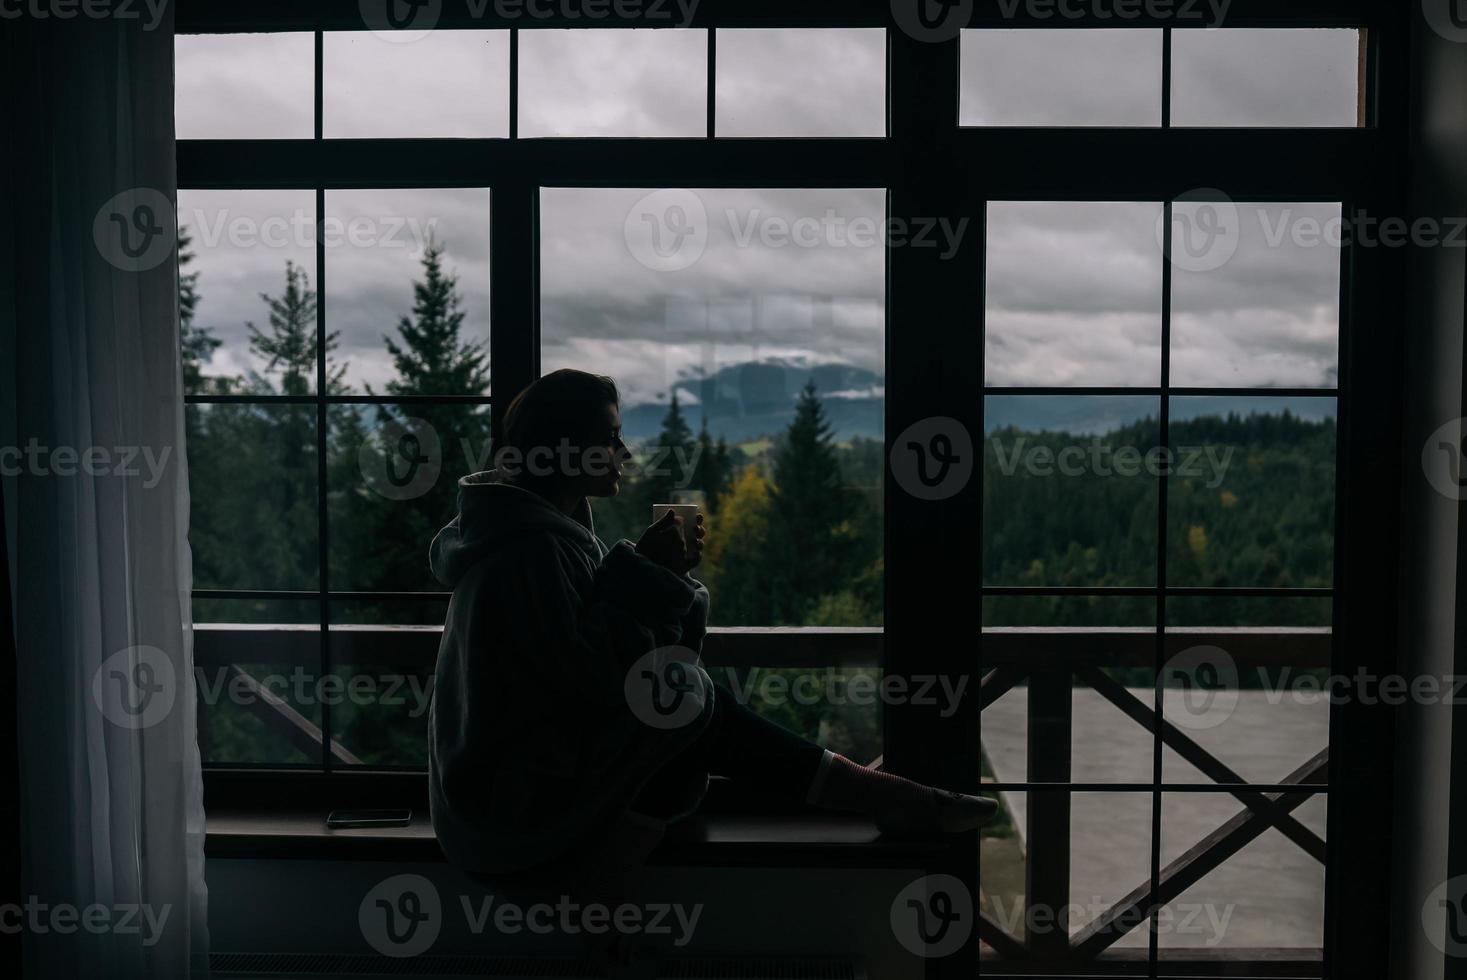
x,y
739,744
743,746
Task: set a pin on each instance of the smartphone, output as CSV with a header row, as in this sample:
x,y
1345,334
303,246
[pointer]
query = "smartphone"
x,y
348,819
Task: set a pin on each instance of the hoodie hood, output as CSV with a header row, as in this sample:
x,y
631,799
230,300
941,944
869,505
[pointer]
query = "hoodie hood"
x,y
493,514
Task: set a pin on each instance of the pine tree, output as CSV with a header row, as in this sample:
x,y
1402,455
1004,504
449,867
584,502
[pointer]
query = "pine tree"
x,y
433,358
196,344
811,544
714,470
289,348
382,542
275,491
673,453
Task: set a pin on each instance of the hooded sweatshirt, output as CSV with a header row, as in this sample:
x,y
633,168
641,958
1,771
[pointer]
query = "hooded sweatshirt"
x,y
534,745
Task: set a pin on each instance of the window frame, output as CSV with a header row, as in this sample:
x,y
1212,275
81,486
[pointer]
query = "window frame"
x,y
1359,167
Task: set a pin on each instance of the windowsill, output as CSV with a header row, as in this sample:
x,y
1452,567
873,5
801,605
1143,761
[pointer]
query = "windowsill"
x,y
806,839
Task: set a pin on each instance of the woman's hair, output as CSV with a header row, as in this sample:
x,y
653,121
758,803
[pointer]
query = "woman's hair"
x,y
561,408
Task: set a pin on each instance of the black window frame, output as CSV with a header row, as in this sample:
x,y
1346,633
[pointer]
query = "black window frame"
x,y
930,165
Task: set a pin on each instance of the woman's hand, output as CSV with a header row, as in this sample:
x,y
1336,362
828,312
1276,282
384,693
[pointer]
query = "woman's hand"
x,y
663,543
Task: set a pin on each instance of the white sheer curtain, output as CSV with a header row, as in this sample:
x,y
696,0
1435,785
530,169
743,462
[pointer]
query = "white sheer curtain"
x,y
96,498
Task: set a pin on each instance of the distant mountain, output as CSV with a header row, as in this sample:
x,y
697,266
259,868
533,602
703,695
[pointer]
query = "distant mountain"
x,y
748,401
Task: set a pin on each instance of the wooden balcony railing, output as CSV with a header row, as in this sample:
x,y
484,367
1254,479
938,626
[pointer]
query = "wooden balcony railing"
x,y
1048,663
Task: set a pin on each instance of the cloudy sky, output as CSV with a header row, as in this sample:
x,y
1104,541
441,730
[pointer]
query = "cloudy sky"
x,y
653,286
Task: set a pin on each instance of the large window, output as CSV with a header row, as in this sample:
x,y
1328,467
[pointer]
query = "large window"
x,y
1109,257
1159,460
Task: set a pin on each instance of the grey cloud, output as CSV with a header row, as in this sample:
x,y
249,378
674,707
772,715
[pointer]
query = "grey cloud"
x,y
1248,77
1060,77
613,82
802,83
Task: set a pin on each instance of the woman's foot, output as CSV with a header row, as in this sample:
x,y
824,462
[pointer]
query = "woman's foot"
x,y
897,805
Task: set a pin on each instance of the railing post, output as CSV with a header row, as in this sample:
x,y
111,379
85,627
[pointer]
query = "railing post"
x,y
1047,834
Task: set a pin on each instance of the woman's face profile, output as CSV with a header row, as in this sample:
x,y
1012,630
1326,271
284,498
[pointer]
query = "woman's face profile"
x,y
607,454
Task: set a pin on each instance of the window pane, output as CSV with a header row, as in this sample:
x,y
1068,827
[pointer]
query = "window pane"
x,y
837,707
251,712
394,474
1069,491
445,83
732,302
1270,895
231,611
801,82
1073,294
1106,745
1255,294
1110,854
252,483
244,86
1262,714
379,715
1202,612
1063,77
381,692
409,269
1252,494
613,83
1266,77
247,296
1002,611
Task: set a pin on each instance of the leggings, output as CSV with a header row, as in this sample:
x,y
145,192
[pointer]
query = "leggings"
x,y
741,745
736,743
